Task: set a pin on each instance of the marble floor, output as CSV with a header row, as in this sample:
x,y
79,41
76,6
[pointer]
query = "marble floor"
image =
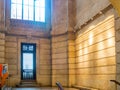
x,y
43,88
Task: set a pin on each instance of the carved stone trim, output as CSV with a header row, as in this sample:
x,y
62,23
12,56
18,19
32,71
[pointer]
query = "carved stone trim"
x,y
27,24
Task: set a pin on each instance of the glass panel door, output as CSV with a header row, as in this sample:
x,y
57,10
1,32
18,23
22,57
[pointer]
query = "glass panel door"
x,y
28,61
27,65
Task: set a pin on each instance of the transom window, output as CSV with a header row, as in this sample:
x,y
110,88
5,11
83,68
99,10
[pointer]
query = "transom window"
x,y
33,10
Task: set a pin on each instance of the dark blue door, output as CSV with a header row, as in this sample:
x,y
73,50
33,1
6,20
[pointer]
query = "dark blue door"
x,y
28,61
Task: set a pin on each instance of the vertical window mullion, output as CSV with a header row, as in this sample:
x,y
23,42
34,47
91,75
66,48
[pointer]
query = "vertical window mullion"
x,y
28,9
22,9
16,9
34,11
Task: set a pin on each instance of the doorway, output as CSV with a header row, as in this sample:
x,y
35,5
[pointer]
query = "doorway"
x,y
28,61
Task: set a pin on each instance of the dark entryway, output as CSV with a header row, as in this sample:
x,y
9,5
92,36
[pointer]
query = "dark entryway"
x,y
28,61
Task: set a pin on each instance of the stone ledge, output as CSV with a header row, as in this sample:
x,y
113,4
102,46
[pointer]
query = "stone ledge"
x,y
83,87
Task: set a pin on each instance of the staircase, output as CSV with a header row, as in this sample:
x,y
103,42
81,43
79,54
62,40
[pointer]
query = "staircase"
x,y
28,83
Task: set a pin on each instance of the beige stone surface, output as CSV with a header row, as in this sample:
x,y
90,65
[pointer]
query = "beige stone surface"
x,y
59,50
61,78
87,57
59,61
2,48
59,38
10,38
94,7
95,81
59,56
2,60
59,44
2,42
95,53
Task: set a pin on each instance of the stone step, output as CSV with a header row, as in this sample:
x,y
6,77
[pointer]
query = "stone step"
x,y
28,84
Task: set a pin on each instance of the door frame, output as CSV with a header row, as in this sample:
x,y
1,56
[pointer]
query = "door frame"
x,y
34,59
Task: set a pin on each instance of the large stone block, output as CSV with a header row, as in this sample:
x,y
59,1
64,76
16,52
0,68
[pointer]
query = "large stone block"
x,y
12,61
45,66
59,44
2,60
45,46
59,38
47,61
2,54
45,41
11,56
71,54
11,38
59,50
2,48
59,61
2,42
45,72
45,52
59,66
97,70
96,63
11,50
60,72
2,36
59,56
11,44
45,55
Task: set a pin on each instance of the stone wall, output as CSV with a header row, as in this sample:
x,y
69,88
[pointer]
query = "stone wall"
x,y
13,58
13,33
71,59
44,62
117,40
83,14
79,50
2,15
95,52
59,60
2,34
63,47
59,17
2,48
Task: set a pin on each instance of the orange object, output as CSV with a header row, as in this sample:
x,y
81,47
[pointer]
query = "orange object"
x,y
3,74
1,68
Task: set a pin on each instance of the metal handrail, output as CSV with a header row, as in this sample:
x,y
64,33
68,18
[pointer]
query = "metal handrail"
x,y
59,86
116,82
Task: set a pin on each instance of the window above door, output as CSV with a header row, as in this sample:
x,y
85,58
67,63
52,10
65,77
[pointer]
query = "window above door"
x,y
28,14
30,10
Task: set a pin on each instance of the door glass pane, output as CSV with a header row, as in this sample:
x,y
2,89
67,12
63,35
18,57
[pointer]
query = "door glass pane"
x,y
27,60
25,47
30,48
